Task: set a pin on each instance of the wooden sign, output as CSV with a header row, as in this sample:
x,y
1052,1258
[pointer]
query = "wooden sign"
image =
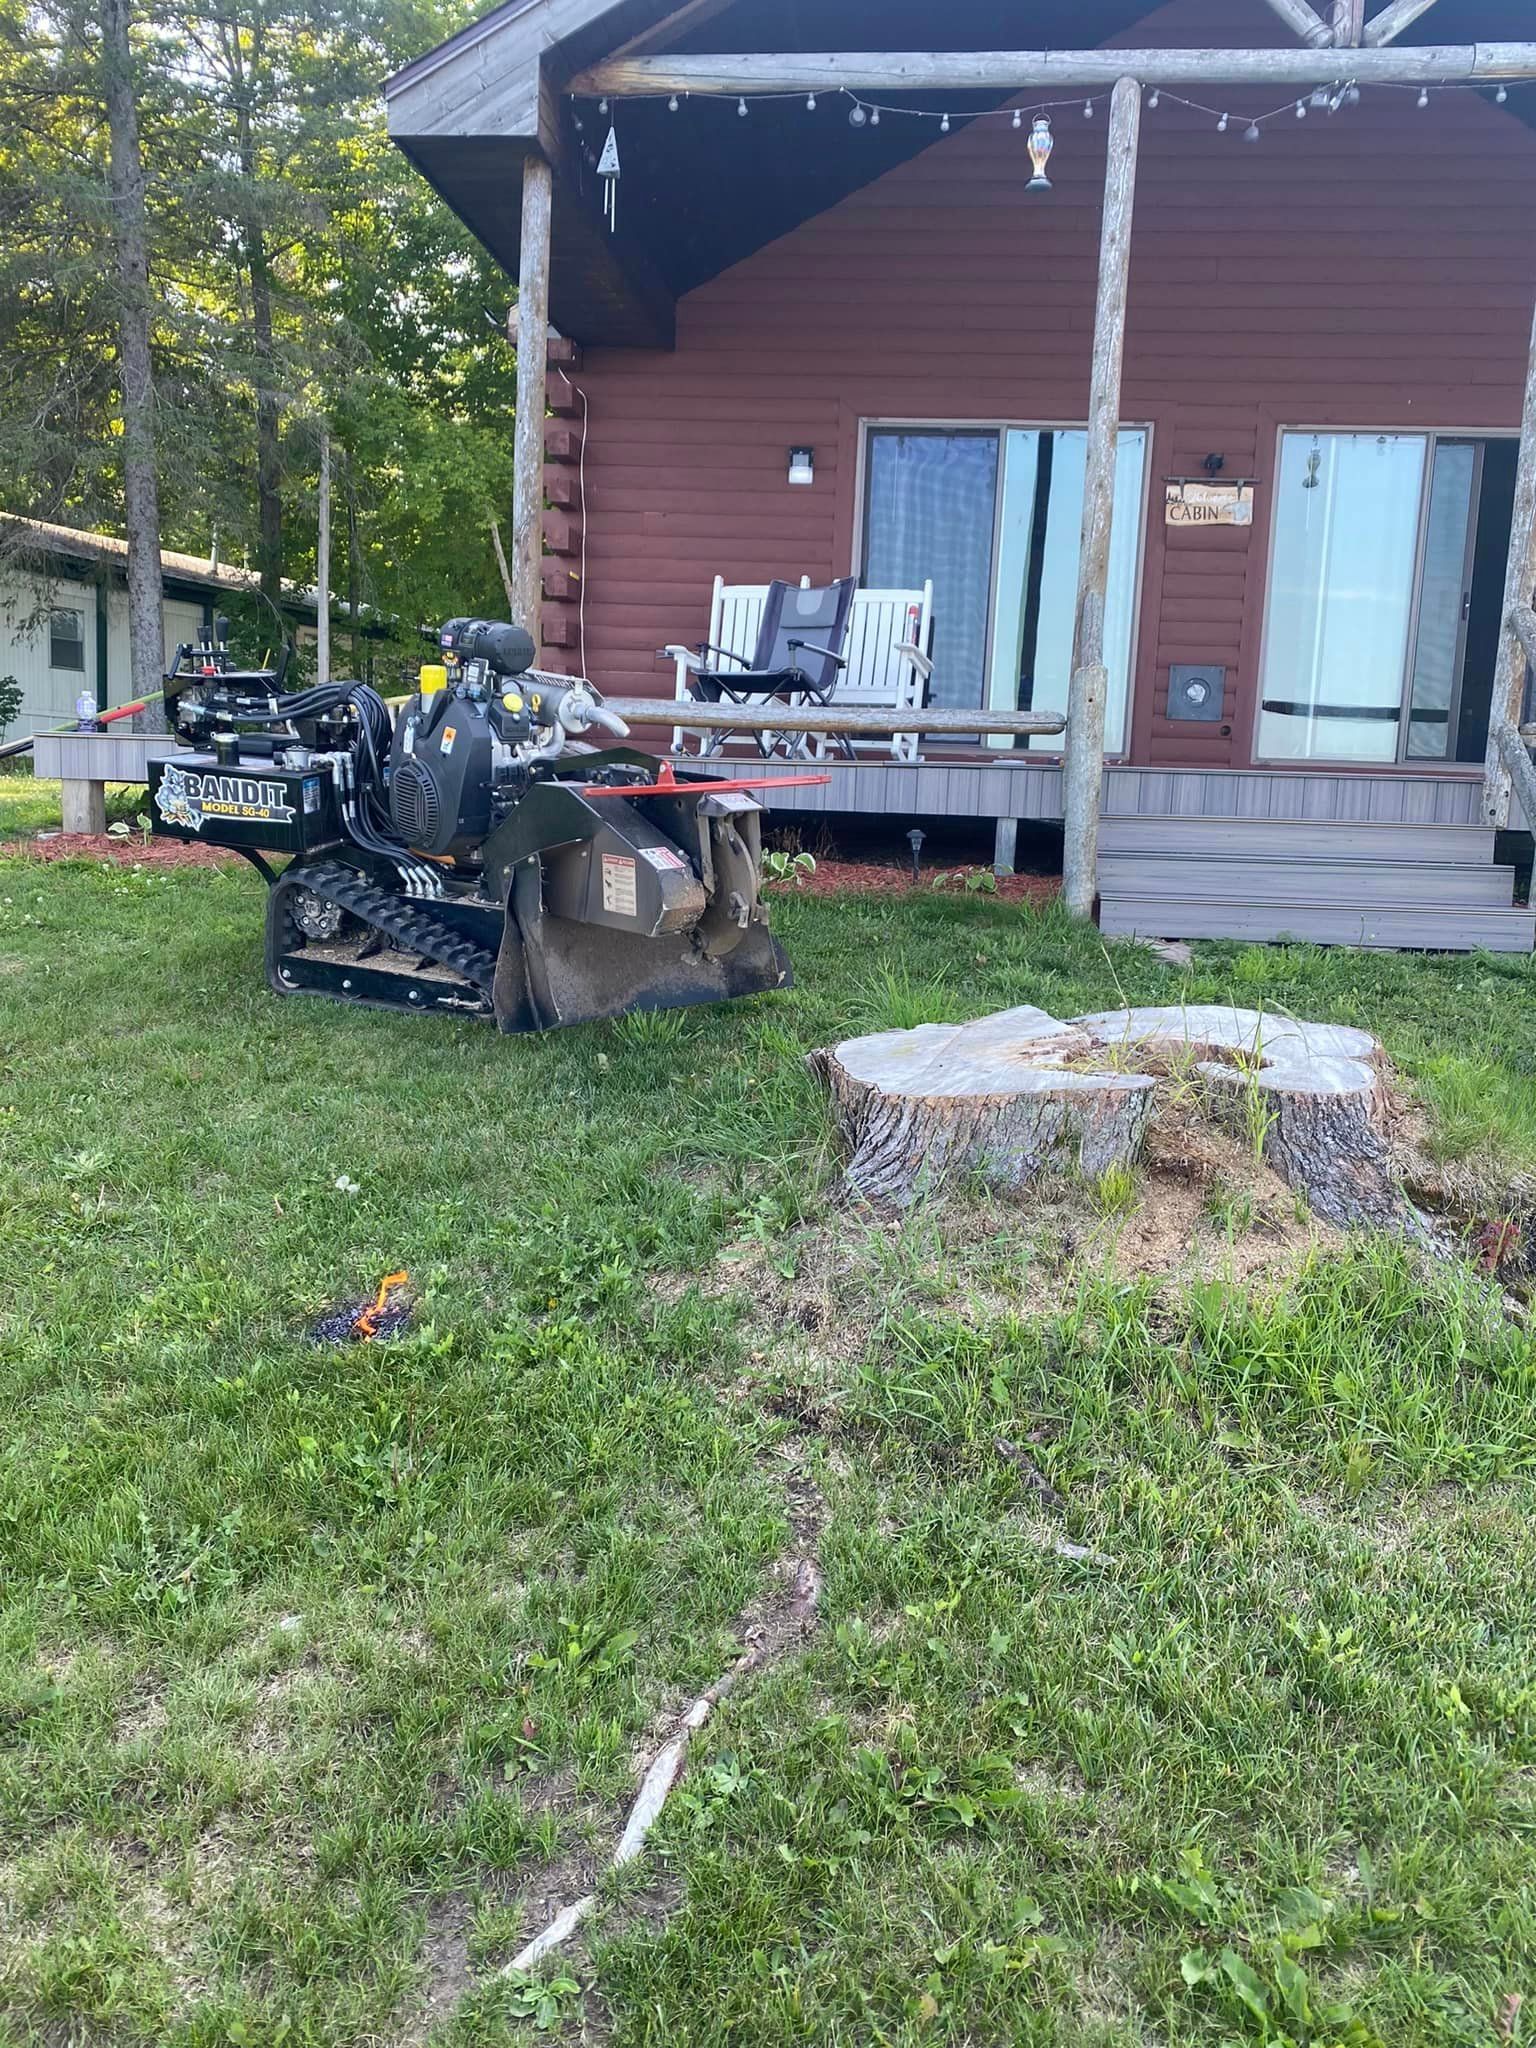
x,y
1191,503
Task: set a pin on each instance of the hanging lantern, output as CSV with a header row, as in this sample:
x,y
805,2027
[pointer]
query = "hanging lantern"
x,y
1040,146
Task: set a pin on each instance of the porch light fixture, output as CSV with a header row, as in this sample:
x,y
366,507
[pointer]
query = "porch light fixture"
x,y
1041,144
857,117
802,465
1251,132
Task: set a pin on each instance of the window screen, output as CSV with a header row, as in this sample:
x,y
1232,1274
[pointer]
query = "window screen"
x,y
66,640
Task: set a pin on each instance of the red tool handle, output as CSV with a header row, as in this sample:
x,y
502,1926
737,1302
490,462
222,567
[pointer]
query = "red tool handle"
x,y
667,786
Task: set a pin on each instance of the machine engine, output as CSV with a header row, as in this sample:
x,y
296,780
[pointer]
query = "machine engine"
x,y
470,851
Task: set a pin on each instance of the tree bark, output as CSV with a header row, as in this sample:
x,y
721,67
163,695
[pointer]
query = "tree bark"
x,y
354,575
258,270
141,487
993,1097
323,567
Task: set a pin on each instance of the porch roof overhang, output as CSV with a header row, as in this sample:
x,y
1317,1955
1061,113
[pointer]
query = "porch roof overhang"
x,y
701,191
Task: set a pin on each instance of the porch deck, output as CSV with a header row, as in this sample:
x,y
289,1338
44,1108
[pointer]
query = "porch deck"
x,y
1392,860
990,787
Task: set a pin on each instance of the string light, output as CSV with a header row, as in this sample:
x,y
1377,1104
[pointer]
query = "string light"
x,y
867,113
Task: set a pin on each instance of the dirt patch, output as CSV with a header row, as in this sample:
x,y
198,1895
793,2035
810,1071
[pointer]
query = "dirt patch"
x,y
891,878
132,852
446,1974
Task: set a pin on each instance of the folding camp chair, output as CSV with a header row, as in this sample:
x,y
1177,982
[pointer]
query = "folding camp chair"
x,y
798,657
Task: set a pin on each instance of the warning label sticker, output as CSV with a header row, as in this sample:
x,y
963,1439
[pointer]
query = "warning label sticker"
x,y
619,884
662,857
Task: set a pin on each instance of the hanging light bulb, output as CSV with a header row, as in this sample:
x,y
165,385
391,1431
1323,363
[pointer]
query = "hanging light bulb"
x,y
1423,100
1223,124
1301,110
944,125
858,117
1352,94
810,103
1018,118
1251,132
672,104
602,106
1087,110
874,117
741,108
1501,95
1156,98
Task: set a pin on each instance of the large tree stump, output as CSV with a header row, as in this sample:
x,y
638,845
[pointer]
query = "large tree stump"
x,y
1309,1097
1015,1094
996,1096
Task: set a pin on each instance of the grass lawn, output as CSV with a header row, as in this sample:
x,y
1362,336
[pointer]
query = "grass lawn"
x,y
322,1672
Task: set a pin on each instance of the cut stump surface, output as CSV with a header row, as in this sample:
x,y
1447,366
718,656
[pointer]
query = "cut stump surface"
x,y
1015,1093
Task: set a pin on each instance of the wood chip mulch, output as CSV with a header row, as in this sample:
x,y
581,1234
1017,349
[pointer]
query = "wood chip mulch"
x,y
890,878
132,852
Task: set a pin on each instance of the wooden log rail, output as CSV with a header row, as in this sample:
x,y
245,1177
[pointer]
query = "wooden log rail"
x,y
851,719
1072,70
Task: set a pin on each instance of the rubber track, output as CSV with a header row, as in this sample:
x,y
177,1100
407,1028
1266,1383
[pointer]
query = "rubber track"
x,y
415,931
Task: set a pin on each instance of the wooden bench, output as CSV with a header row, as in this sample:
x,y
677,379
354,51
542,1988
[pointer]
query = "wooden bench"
x,y
85,762
888,653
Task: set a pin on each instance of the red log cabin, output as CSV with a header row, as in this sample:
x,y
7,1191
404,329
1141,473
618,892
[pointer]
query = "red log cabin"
x,y
823,324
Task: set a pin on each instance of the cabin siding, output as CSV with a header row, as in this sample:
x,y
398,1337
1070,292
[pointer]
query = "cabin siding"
x,y
1374,269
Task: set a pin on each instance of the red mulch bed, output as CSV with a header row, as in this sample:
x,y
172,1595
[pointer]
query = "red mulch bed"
x,y
132,852
893,878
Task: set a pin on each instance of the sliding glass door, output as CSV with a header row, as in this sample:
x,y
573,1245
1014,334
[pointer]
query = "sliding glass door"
x,y
993,516
1039,532
1370,588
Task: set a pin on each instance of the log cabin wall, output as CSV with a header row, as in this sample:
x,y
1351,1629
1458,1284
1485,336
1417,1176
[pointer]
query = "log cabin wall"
x,y
1371,270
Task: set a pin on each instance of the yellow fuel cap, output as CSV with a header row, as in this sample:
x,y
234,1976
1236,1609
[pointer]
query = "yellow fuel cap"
x,y
433,677
511,700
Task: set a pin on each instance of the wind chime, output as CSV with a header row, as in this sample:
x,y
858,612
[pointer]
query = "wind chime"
x,y
608,171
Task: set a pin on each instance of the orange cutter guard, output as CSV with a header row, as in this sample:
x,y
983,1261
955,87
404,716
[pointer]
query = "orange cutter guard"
x,y
667,784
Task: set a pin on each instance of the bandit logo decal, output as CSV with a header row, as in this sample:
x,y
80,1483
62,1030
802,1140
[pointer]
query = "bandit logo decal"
x,y
188,799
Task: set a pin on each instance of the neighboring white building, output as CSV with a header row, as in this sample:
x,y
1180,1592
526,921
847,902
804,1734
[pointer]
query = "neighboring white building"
x,y
64,615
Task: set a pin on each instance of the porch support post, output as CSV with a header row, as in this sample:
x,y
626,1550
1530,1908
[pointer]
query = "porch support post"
x,y
1392,20
528,434
1083,759
1304,21
1348,23
1519,581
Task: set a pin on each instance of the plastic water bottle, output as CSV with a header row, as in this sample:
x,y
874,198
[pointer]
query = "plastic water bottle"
x,y
85,712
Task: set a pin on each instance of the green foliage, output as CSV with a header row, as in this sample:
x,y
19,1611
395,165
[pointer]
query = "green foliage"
x,y
10,701
296,258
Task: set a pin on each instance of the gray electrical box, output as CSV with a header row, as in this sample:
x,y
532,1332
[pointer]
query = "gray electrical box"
x,y
1195,691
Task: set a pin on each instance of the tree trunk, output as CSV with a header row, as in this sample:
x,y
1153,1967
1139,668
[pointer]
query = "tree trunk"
x,y
243,72
141,488
323,567
993,1097
354,575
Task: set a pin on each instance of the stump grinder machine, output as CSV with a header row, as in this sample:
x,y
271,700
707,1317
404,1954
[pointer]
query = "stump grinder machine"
x,y
473,852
